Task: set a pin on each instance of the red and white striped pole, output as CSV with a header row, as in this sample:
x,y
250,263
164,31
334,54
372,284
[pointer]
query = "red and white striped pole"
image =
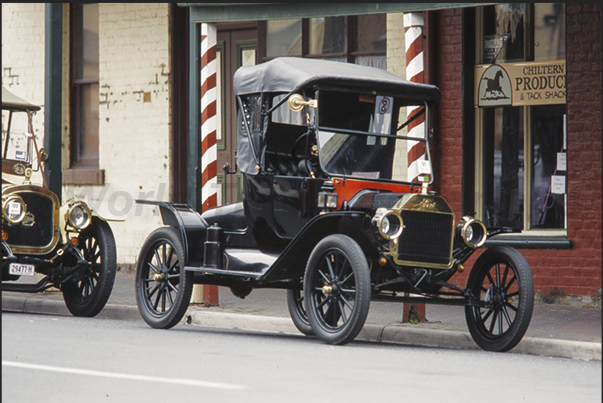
x,y
208,294
413,38
209,182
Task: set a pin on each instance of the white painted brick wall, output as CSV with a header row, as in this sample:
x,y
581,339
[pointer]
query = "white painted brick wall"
x,y
134,145
23,49
396,50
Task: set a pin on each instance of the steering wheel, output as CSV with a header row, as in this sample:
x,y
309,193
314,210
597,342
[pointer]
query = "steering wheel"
x,y
294,156
310,162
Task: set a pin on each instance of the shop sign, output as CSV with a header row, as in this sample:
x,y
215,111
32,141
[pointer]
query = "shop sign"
x,y
520,84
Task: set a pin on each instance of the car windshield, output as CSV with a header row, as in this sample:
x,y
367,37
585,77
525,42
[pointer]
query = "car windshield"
x,y
17,145
373,136
19,148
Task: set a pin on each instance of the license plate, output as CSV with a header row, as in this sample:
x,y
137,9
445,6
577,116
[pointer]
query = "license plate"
x,y
22,269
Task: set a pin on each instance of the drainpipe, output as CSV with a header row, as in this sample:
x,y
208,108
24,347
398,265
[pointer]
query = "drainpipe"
x,y
53,96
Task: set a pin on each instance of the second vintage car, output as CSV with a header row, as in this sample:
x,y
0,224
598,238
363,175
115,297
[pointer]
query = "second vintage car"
x,y
337,209
69,246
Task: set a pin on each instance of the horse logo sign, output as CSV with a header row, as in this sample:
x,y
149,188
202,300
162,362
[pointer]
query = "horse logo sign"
x,y
494,87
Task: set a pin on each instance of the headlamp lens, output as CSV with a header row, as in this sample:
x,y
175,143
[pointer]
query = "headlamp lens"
x,y
79,216
390,225
13,209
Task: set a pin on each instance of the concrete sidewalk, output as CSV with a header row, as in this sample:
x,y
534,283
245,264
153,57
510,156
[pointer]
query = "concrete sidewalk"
x,y
555,330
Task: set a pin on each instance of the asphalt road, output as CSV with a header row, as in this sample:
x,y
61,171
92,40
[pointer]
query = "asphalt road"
x,y
48,358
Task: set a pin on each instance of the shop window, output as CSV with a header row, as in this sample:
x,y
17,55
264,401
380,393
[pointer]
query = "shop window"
x,y
520,117
358,39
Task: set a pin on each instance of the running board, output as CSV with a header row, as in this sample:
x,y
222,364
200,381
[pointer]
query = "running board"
x,y
29,288
233,273
240,263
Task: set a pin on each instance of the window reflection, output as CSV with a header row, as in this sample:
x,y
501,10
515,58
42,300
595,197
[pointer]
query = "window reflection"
x,y
504,159
504,33
328,35
370,33
85,85
283,38
549,31
524,147
360,39
547,148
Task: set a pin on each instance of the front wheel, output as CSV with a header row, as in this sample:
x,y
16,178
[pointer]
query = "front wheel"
x,y
88,294
163,287
337,289
502,280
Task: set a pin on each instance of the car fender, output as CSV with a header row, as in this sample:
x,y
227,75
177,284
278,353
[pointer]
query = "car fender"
x,y
190,225
292,261
65,228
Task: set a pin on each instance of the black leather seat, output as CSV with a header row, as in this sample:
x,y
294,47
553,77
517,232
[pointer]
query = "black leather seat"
x,y
229,217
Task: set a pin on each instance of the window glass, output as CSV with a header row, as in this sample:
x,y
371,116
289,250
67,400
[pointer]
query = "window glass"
x,y
352,137
328,35
503,166
358,39
219,94
370,37
504,33
85,85
370,33
19,144
283,38
548,166
89,121
248,57
284,114
379,62
523,156
549,31
87,41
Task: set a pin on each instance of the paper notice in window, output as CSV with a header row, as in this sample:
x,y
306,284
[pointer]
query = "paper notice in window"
x,y
561,162
424,167
383,114
558,184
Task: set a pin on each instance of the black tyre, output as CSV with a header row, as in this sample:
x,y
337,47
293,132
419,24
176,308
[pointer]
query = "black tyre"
x,y
88,293
501,277
163,287
337,289
297,310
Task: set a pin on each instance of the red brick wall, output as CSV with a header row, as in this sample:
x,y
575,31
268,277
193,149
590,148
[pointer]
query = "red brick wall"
x,y
448,141
582,275
577,271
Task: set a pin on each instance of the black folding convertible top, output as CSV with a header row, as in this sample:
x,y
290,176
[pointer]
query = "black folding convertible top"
x,y
291,74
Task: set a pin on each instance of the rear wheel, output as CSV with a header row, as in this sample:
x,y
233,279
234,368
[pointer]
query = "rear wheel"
x,y
501,278
88,293
337,289
297,310
163,287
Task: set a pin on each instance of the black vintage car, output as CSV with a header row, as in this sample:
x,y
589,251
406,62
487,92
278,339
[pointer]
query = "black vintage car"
x,y
336,209
69,247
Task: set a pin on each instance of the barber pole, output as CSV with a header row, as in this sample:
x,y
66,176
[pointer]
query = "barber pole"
x,y
208,294
413,38
209,183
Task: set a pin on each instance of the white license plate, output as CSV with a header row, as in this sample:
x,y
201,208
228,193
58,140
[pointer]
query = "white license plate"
x,y
20,269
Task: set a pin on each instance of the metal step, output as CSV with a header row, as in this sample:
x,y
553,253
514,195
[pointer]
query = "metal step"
x,y
241,263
